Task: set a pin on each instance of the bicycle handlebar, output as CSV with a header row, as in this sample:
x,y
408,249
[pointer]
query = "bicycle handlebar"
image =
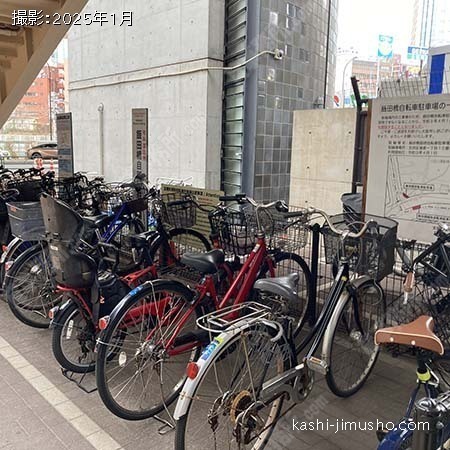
x,y
347,233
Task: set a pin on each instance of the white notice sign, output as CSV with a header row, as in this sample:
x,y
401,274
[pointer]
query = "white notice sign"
x,y
409,163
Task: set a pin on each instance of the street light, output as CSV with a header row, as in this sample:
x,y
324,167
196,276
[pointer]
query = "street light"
x,y
343,79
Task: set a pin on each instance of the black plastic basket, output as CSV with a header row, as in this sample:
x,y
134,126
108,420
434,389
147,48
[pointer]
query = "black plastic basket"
x,y
178,213
26,220
373,254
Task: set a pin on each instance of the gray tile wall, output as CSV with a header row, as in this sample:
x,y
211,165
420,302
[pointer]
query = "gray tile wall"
x,y
299,27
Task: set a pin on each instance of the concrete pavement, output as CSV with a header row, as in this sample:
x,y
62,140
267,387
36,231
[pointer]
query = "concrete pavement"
x,y
41,409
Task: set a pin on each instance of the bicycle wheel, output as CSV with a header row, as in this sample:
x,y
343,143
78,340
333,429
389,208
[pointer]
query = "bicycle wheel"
x,y
73,340
29,290
236,369
349,345
285,264
181,240
145,374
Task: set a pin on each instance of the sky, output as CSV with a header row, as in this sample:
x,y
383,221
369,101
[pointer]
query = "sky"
x,y
361,21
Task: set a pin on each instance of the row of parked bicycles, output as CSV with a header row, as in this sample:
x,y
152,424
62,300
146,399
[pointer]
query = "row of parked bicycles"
x,y
215,328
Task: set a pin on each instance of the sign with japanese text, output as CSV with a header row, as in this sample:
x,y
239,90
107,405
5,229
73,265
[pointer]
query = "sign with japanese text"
x,y
140,140
409,163
64,137
385,46
420,53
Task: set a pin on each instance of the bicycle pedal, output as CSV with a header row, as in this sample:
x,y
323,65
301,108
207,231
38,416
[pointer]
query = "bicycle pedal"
x,y
317,365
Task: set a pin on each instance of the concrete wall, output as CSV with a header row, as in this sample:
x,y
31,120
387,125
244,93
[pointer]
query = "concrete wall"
x,y
322,157
115,66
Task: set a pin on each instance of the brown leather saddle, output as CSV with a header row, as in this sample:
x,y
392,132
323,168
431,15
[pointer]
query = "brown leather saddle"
x,y
418,333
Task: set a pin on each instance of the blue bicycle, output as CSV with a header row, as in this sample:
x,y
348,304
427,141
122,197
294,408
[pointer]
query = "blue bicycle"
x,y
426,423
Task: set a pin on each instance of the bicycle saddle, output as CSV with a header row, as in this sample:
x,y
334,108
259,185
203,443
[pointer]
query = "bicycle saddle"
x,y
418,333
284,286
205,263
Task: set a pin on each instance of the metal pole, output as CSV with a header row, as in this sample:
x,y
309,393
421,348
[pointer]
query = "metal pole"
x,y
311,312
343,80
101,137
359,134
49,77
326,57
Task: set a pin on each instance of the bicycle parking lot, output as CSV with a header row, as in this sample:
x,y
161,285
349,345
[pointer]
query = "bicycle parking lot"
x,y
29,421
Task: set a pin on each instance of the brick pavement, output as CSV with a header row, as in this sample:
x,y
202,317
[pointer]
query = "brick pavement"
x,y
46,411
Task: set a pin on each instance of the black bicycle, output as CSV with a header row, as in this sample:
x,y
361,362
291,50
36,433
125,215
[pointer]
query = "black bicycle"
x,y
235,391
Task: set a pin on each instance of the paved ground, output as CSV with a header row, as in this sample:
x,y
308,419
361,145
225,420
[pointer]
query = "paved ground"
x,y
40,409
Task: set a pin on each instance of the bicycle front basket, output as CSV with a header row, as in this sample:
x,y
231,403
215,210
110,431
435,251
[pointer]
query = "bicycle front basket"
x,y
26,220
373,254
179,213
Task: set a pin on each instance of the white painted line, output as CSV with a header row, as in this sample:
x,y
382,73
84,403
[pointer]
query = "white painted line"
x,y
97,437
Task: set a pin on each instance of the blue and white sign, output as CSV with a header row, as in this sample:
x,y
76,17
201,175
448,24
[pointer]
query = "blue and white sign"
x,y
417,53
385,46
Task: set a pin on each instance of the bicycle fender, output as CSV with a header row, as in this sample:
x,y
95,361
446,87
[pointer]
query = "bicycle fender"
x,y
206,358
10,249
132,296
395,438
55,321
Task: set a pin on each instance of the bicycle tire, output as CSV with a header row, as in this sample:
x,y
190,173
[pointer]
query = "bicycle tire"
x,y
202,244
24,309
342,334
137,350
218,367
61,330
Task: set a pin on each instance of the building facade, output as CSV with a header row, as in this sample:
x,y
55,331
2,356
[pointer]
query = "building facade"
x,y
431,23
230,130
33,120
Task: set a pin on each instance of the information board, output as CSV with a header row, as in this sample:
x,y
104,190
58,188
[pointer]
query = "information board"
x,y
408,175
140,140
64,137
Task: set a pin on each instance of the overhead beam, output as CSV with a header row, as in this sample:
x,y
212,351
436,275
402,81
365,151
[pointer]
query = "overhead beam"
x,y
8,51
35,4
13,39
40,43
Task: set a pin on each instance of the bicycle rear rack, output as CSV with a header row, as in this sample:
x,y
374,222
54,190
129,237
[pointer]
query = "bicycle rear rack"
x,y
247,313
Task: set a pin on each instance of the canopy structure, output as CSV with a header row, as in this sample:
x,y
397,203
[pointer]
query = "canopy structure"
x,y
26,44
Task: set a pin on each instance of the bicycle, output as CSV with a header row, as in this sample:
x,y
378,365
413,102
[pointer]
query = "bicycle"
x,y
30,293
427,274
432,410
156,320
234,393
75,324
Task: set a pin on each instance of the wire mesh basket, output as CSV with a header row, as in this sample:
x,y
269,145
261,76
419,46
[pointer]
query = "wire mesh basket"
x,y
236,230
26,220
116,198
373,254
178,213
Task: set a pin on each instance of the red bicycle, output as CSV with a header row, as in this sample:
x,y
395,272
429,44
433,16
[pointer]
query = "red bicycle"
x,y
152,334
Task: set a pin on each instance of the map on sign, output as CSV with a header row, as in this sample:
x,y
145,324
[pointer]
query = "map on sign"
x,y
408,175
416,191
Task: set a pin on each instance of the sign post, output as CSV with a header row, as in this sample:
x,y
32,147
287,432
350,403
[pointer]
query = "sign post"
x,y
140,141
64,136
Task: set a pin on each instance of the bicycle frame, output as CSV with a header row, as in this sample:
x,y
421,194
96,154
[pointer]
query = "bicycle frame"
x,y
236,294
395,438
